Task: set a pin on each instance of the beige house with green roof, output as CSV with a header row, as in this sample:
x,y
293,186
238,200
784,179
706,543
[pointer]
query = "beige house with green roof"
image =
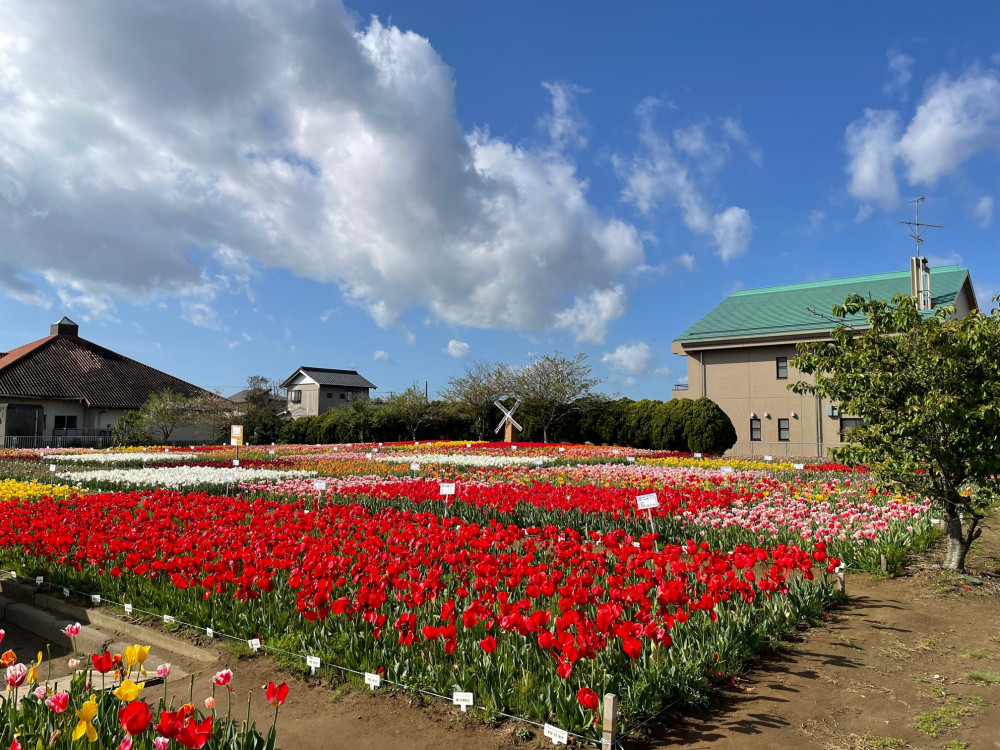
x,y
739,354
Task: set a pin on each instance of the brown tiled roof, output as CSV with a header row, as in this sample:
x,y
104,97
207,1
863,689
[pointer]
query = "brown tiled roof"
x,y
68,367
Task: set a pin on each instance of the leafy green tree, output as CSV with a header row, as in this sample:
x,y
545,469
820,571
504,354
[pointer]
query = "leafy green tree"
x,y
129,430
927,387
410,407
550,386
474,393
639,423
261,410
708,429
164,412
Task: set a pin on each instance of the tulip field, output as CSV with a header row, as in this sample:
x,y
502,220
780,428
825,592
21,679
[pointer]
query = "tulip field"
x,y
525,574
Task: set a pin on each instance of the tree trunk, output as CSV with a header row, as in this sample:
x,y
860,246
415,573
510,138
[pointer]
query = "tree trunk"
x,y
959,543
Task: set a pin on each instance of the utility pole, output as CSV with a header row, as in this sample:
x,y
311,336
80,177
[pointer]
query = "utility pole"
x,y
916,224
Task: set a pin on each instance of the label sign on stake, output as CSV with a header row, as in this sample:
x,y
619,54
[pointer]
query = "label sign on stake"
x,y
128,609
168,619
697,455
209,632
630,459
768,458
557,735
254,644
726,469
414,467
229,477
39,580
539,462
313,663
65,592
52,467
462,699
236,462
374,680
447,488
798,467
95,598
645,502
319,485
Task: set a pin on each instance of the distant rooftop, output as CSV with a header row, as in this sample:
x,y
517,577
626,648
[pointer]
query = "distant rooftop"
x,y
775,310
328,376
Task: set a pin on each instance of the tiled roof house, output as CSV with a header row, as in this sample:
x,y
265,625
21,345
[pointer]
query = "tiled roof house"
x,y
63,389
314,390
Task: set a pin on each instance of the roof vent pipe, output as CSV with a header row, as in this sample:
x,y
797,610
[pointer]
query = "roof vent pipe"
x,y
920,282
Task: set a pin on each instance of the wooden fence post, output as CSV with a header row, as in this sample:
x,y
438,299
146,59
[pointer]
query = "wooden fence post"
x,y
609,721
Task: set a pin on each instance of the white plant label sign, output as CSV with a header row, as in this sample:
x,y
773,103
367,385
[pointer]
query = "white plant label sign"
x,y
462,699
373,680
798,467
726,469
168,619
645,502
414,467
447,488
95,598
319,485
128,609
557,735
313,663
254,644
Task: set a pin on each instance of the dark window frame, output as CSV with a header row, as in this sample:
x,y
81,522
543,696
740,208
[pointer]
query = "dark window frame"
x,y
295,397
844,430
784,425
755,430
781,366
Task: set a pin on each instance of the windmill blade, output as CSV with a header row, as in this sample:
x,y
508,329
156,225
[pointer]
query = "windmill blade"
x,y
514,408
519,428
500,426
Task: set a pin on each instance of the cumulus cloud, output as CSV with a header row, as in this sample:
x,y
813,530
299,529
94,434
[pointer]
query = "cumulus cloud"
x,y
382,355
984,211
588,318
899,70
956,119
814,222
630,359
142,144
672,168
458,349
870,142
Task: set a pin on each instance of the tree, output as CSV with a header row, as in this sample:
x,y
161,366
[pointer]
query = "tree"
x,y
708,429
927,388
410,407
129,430
474,393
164,412
550,386
361,419
261,410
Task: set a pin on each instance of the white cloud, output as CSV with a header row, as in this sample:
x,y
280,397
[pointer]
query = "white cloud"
x,y
564,124
457,349
141,147
683,262
899,68
864,211
588,318
663,371
955,120
984,211
630,359
661,171
383,356
870,142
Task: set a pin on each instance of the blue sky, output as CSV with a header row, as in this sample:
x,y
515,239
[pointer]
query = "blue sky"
x,y
227,189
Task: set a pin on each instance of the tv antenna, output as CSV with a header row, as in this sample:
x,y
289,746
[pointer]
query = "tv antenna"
x,y
916,224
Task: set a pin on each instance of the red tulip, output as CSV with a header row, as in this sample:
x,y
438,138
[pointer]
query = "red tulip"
x,y
103,663
195,734
588,699
276,694
135,717
488,644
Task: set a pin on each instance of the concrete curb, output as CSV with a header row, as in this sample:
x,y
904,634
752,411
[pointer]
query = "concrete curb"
x,y
21,605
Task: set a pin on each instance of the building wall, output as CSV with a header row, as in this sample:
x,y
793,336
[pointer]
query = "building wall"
x,y
310,403
743,381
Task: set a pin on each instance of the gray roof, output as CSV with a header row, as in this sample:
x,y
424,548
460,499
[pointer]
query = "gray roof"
x,y
327,376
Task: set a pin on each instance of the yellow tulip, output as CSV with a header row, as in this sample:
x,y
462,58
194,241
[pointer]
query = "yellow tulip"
x,y
86,716
128,691
136,655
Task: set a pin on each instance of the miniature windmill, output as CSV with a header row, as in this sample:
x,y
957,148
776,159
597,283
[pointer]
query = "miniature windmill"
x,y
511,429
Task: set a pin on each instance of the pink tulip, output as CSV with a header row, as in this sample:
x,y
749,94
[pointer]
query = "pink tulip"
x,y
73,663
126,743
223,678
161,743
58,703
40,692
163,670
16,674
210,703
72,631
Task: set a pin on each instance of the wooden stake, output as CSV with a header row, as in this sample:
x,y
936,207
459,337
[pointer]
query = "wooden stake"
x,y
885,564
609,721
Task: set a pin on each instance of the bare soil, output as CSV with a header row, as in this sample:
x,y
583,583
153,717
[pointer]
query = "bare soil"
x,y
912,662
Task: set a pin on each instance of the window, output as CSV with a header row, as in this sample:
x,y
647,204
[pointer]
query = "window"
x,y
63,422
783,430
295,397
755,429
329,394
343,396
781,364
847,424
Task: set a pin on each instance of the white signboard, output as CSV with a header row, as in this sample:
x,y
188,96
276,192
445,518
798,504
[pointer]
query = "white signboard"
x,y
374,680
697,455
236,462
768,458
798,467
726,469
447,488
128,609
313,663
39,580
630,459
254,644
95,598
539,462
462,699
645,502
229,477
209,632
319,485
557,735
168,619
414,467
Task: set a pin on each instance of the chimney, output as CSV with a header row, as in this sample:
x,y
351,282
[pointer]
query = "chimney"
x,y
64,327
920,282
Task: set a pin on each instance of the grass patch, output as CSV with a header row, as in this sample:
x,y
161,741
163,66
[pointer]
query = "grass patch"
x,y
987,678
976,655
949,716
956,745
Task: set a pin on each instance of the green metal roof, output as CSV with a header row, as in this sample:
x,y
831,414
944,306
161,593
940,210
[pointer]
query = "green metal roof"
x,y
774,310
